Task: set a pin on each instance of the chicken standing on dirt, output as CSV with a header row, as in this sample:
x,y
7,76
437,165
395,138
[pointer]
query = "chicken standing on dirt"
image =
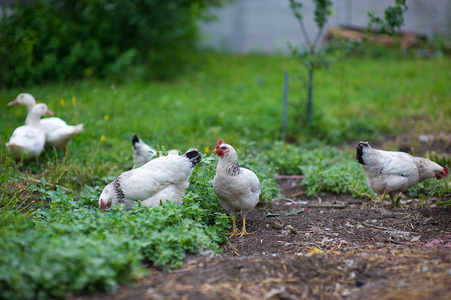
x,y
161,179
392,172
238,189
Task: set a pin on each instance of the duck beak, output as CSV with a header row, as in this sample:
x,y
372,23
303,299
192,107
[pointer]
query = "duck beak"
x,y
14,102
49,112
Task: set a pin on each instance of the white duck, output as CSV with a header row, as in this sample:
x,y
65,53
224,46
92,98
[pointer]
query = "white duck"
x,y
57,132
29,139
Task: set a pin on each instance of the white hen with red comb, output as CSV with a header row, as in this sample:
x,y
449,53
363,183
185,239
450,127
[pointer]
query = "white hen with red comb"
x,y
393,172
238,189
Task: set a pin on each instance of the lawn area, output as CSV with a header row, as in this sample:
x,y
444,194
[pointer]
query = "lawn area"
x,y
239,98
49,216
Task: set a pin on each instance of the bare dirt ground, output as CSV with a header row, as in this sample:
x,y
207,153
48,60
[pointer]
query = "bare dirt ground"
x,y
328,247
346,248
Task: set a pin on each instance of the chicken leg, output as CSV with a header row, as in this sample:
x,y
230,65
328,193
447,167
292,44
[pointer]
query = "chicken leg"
x,y
395,200
235,232
243,231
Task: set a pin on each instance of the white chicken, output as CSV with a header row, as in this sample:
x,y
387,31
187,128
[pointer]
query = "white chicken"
x,y
238,189
392,172
142,152
57,132
161,179
29,139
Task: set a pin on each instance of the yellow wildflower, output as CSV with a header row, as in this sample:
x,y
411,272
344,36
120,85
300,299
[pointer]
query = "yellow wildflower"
x,y
106,118
207,150
73,99
62,102
102,138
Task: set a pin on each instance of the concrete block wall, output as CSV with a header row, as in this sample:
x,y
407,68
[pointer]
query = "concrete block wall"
x,y
266,26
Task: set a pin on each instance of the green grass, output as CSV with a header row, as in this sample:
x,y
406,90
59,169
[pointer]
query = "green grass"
x,y
235,98
240,99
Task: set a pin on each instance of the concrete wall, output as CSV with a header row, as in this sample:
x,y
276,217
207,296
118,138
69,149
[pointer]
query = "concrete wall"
x,y
265,26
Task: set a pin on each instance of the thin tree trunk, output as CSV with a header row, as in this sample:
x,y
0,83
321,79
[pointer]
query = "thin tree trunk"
x,y
310,97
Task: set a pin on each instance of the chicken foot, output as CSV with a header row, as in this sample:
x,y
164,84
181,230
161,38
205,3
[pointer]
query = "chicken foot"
x,y
243,231
383,197
236,232
395,200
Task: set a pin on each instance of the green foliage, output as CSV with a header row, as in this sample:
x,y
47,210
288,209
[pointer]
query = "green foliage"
x,y
71,247
7,172
393,18
340,176
60,40
322,12
324,167
360,99
288,159
38,262
314,57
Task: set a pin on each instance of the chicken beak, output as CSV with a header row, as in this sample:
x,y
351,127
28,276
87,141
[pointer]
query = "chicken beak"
x,y
216,150
14,102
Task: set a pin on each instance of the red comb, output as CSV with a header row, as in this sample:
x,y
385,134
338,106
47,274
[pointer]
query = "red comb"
x,y
446,171
219,144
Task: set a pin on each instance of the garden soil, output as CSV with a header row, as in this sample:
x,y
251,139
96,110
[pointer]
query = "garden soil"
x,y
328,247
325,247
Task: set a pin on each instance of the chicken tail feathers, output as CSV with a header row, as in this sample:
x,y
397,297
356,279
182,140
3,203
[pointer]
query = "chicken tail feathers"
x,y
193,155
359,152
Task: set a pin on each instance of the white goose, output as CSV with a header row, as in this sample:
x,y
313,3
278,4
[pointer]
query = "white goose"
x,y
29,139
57,132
